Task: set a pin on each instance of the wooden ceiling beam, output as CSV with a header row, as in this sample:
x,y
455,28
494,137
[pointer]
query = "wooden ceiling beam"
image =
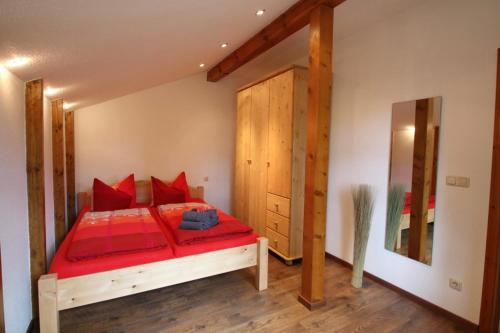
x,y
291,21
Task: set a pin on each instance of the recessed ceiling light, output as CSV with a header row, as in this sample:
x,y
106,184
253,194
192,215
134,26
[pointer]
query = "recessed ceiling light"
x,y
224,45
202,65
67,106
17,62
51,91
260,12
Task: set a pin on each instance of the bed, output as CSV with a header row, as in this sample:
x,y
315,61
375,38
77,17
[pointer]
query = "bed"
x,y
72,284
405,216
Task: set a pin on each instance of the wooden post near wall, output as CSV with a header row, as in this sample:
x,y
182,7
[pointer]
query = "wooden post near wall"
x,y
490,302
317,155
423,158
58,170
69,133
36,185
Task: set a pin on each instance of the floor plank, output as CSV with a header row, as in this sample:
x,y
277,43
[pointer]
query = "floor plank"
x,y
230,303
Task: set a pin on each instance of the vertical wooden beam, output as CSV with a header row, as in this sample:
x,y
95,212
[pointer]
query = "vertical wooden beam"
x,y
36,185
69,132
58,170
423,157
317,151
490,305
2,315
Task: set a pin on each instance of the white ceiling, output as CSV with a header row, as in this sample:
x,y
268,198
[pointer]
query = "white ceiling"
x,y
96,50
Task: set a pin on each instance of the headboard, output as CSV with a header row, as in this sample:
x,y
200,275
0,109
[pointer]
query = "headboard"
x,y
142,192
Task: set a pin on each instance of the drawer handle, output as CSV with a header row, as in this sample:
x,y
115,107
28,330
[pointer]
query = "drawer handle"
x,y
276,225
277,205
249,161
275,243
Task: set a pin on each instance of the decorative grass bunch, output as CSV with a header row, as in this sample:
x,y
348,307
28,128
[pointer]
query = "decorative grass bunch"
x,y
363,198
395,205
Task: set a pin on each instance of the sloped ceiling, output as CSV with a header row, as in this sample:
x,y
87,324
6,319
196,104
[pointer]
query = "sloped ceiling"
x,y
96,50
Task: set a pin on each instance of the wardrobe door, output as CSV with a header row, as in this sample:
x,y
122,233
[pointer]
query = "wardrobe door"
x,y
242,155
280,134
258,156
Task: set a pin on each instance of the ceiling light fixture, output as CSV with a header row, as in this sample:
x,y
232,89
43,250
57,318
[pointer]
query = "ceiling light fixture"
x,y
224,45
260,12
67,106
51,91
202,65
17,62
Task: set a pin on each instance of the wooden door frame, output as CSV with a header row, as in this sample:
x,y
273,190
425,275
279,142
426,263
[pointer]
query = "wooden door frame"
x,y
490,305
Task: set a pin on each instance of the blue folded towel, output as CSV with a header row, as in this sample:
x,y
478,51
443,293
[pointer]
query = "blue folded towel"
x,y
208,215
194,220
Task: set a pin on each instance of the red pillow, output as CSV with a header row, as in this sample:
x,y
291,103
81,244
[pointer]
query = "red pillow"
x,y
180,183
127,185
105,197
163,194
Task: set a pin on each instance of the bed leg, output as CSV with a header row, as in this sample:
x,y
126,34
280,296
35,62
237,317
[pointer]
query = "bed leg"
x,y
47,304
262,259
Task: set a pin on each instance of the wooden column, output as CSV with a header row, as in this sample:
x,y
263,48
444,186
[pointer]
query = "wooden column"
x,y
318,139
58,170
490,307
423,157
70,167
36,185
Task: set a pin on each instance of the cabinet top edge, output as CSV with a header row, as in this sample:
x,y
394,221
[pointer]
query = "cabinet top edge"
x,y
271,75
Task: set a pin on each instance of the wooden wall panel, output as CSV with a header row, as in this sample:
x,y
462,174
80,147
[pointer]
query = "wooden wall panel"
x,y
58,170
490,302
36,185
242,155
69,133
423,157
317,156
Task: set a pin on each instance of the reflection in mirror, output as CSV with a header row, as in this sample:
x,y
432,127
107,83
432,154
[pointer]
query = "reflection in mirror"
x,y
411,197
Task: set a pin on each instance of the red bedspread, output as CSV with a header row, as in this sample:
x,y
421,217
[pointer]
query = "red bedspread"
x,y
228,228
407,207
101,234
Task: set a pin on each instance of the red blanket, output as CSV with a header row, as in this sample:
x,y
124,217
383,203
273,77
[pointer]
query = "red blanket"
x,y
407,207
102,234
229,227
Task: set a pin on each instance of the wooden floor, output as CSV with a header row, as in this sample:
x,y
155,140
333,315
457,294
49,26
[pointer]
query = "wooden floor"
x,y
229,303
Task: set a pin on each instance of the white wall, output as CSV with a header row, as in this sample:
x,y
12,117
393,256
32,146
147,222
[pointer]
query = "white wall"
x,y
185,125
402,158
437,48
14,238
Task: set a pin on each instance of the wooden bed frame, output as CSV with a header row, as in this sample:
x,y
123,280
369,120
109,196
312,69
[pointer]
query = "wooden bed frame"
x,y
60,294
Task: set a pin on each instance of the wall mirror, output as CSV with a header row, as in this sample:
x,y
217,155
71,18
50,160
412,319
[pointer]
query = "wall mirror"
x,y
411,202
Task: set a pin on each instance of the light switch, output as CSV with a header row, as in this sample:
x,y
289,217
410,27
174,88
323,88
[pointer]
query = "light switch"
x,y
463,181
450,180
458,181
205,178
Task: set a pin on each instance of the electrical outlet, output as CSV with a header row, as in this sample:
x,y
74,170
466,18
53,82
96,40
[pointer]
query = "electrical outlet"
x,y
455,284
205,178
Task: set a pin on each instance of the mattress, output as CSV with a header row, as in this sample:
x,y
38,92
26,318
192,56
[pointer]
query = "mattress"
x,y
66,268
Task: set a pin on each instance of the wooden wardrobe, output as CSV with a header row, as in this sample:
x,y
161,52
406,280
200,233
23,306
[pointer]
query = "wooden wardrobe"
x,y
270,159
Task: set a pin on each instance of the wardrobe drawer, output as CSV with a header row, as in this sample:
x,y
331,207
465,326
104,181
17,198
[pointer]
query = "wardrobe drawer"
x,y
277,223
279,205
277,242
